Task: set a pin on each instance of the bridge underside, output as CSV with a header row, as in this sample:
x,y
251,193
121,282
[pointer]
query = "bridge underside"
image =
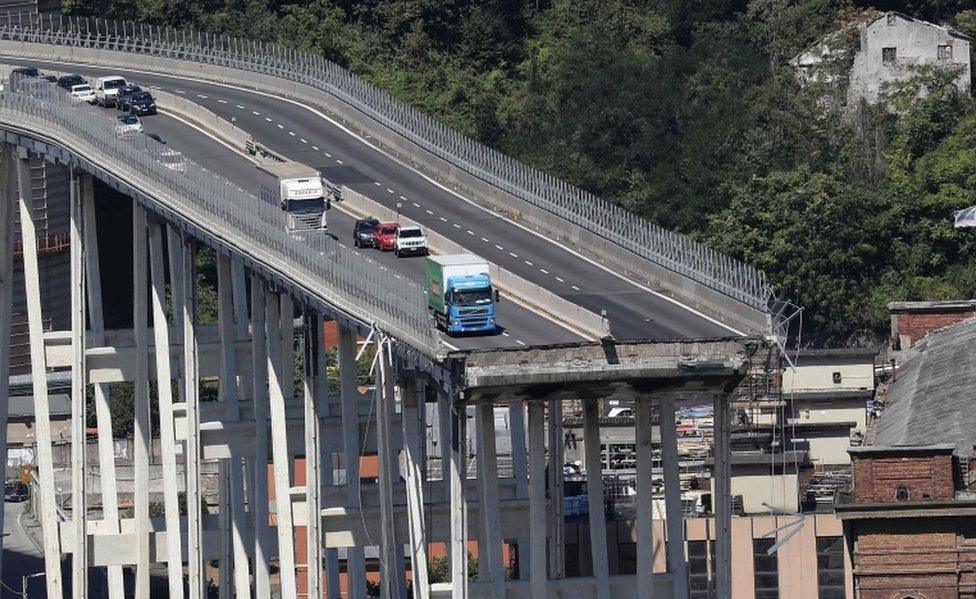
x,y
248,394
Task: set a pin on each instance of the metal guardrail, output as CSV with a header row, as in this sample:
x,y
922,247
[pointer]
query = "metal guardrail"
x,y
672,251
319,264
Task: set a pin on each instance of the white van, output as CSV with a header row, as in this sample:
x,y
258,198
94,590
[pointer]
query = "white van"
x,y
107,88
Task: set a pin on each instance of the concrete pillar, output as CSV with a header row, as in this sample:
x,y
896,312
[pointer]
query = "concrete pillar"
x,y
594,486
390,583
167,435
722,499
8,195
557,562
259,366
191,390
313,450
141,432
490,542
351,448
411,394
454,454
537,499
79,385
674,523
516,423
103,411
329,444
645,501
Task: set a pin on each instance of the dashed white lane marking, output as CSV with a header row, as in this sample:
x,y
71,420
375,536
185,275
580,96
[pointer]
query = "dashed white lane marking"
x,y
485,240
338,161
499,247
239,106
388,190
377,183
179,91
416,205
222,101
280,126
560,279
543,271
513,254
505,334
457,226
267,118
520,342
445,220
255,113
427,211
529,263
316,148
470,232
404,199
304,141
292,133
202,96
576,288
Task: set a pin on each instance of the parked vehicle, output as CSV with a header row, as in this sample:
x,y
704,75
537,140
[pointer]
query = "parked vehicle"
x,y
409,241
460,293
385,237
128,124
14,490
300,191
124,94
83,93
141,103
364,232
68,81
26,72
107,88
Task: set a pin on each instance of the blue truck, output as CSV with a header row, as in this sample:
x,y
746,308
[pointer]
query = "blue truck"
x,y
460,294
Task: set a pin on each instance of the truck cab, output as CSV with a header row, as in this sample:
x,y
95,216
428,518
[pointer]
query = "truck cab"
x,y
300,191
460,293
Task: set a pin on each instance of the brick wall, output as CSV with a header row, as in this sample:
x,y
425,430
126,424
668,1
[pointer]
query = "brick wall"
x,y
910,327
927,477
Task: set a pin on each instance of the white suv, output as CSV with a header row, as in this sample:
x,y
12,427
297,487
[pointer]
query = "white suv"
x,y
410,240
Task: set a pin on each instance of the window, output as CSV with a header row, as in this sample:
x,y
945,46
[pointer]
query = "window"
x,y
945,52
902,494
766,568
891,18
701,556
837,378
830,567
889,54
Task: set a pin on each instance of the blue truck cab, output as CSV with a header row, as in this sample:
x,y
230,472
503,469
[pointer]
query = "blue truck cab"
x,y
460,293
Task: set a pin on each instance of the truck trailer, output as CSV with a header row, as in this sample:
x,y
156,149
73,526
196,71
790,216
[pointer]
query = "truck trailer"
x,y
460,293
299,190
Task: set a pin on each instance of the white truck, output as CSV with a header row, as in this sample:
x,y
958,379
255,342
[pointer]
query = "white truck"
x,y
299,190
107,88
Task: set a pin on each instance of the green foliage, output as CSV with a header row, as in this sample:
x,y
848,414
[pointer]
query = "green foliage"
x,y
687,113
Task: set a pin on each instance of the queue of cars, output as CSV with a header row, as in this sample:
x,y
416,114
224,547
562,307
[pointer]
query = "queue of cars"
x,y
109,91
402,240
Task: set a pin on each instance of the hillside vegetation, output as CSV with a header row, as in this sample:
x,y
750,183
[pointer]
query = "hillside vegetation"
x,y
685,112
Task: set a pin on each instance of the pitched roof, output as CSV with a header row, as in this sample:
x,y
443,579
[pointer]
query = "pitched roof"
x,y
931,400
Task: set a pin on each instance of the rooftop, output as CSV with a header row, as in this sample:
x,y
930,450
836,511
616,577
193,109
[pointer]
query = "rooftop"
x,y
936,306
930,400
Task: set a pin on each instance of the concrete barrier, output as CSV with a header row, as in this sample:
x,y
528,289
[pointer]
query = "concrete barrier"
x,y
201,117
683,289
541,300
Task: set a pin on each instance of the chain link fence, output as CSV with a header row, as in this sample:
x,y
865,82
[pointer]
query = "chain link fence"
x,y
317,262
672,251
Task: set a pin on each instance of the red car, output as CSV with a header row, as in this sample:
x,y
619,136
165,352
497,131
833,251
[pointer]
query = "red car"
x,y
385,236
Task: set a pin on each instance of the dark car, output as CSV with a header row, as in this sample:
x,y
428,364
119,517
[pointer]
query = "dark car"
x,y
69,81
156,137
141,103
26,72
364,232
124,96
14,490
50,78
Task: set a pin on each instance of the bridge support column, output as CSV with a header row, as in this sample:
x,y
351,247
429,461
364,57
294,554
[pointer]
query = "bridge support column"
x,y
594,486
8,195
348,383
645,504
279,314
453,429
141,432
191,390
722,498
537,499
390,582
516,422
490,543
411,395
677,565
79,387
314,397
231,470
557,562
328,446
167,435
259,365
